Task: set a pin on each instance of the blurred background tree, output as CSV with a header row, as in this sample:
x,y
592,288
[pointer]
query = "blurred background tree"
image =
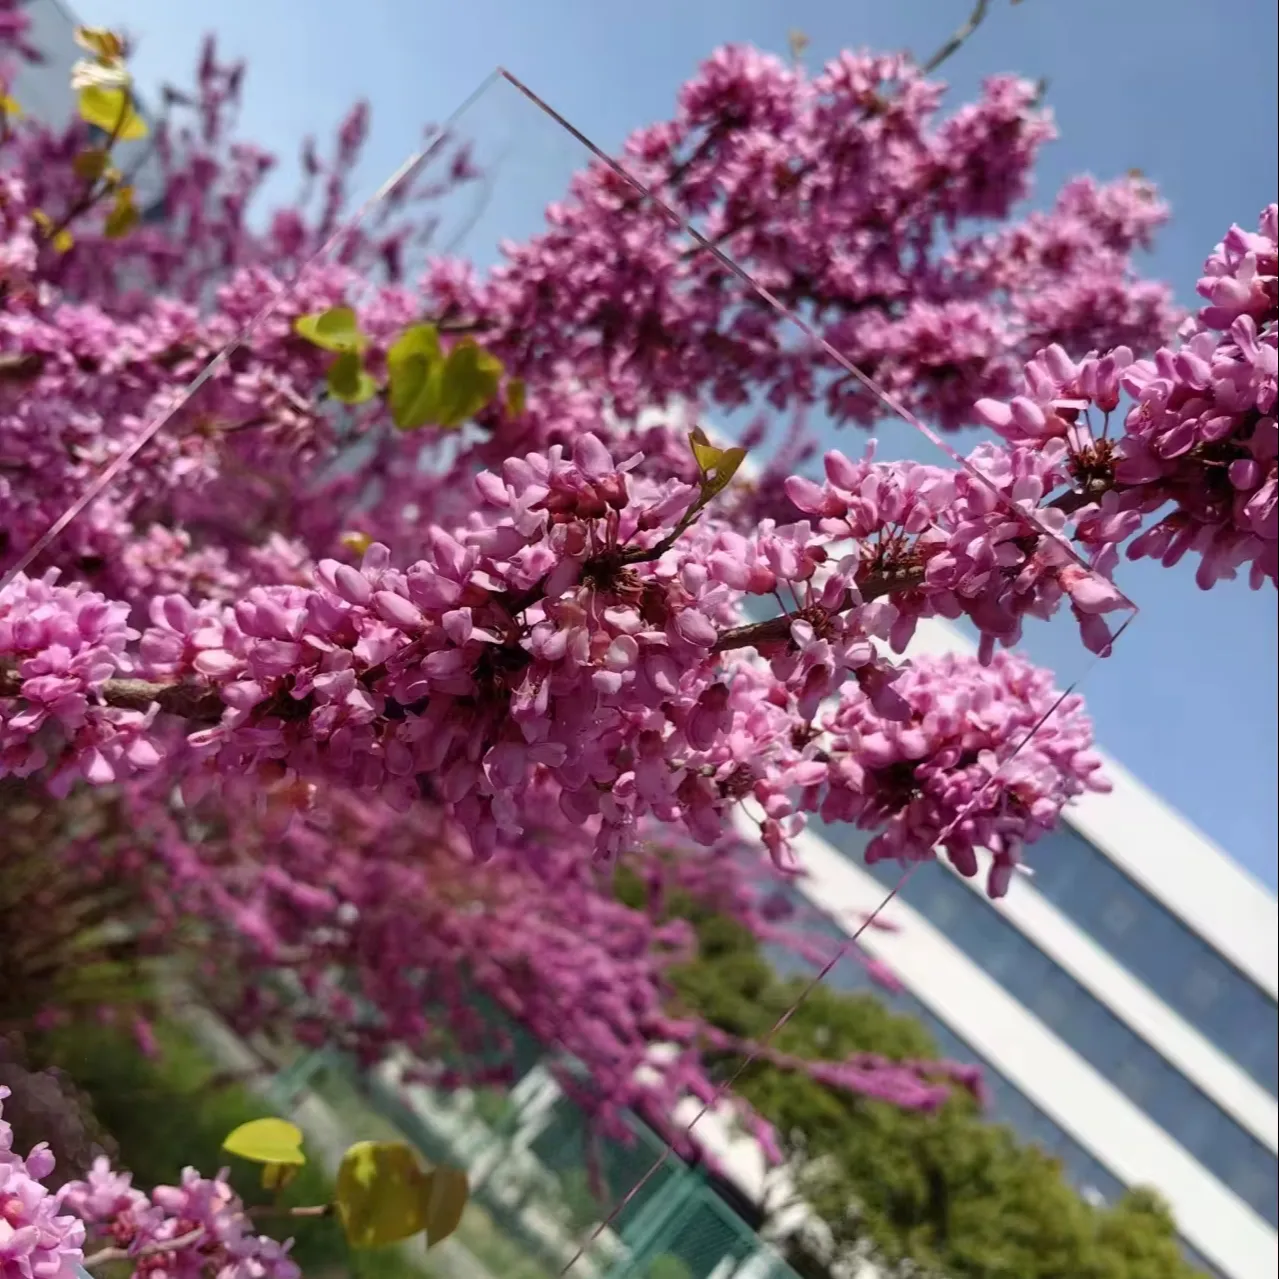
x,y
949,1193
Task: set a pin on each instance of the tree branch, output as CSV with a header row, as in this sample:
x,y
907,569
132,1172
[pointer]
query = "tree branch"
x,y
101,1257
269,1212
187,701
776,629
956,41
201,705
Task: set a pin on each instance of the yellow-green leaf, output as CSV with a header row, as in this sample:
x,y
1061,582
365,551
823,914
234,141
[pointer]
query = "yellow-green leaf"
x,y
124,215
445,1203
421,341
348,381
718,466
415,368
90,165
516,396
356,541
100,42
382,1193
111,110
278,1176
336,329
470,381
267,1141
60,240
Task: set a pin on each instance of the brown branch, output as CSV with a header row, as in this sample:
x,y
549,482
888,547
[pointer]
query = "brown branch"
x,y
20,367
187,701
203,706
270,1213
776,629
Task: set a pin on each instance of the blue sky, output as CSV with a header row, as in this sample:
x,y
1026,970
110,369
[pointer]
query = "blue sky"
x,y
1184,90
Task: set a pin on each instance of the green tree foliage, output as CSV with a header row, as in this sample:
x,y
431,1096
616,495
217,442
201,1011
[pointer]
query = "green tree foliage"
x,y
949,1194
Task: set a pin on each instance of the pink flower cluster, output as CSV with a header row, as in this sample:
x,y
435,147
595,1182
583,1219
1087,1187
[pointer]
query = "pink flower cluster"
x,y
848,199
576,633
986,759
59,645
196,1230
1200,435
980,542
411,766
368,930
37,1239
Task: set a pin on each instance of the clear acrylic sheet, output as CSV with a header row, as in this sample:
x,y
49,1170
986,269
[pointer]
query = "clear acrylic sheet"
x,y
525,156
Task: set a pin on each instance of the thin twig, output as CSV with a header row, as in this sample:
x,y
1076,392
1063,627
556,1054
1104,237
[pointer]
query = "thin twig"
x,y
775,630
268,1212
92,193
101,1257
956,41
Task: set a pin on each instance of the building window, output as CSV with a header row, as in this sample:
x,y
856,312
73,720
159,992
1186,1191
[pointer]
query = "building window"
x,y
1119,916
1080,1020
1146,938
1203,988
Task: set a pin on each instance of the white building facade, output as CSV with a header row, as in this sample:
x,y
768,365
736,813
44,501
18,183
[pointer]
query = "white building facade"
x,y
1121,999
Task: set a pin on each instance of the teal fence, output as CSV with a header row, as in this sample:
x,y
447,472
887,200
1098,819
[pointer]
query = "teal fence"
x,y
542,1182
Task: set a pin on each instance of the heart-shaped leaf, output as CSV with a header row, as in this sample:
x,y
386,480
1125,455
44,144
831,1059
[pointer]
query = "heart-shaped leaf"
x,y
445,1203
112,111
382,1193
336,329
415,366
718,466
470,381
348,381
267,1141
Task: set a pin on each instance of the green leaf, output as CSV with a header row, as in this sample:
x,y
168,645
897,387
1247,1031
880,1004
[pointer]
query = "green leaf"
x,y
718,466
428,388
278,1176
470,381
102,43
267,1141
348,381
414,367
382,1193
445,1203
111,110
124,215
336,329
356,541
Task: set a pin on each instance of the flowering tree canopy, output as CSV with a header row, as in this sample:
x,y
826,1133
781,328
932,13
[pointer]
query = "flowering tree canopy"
x,y
406,625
